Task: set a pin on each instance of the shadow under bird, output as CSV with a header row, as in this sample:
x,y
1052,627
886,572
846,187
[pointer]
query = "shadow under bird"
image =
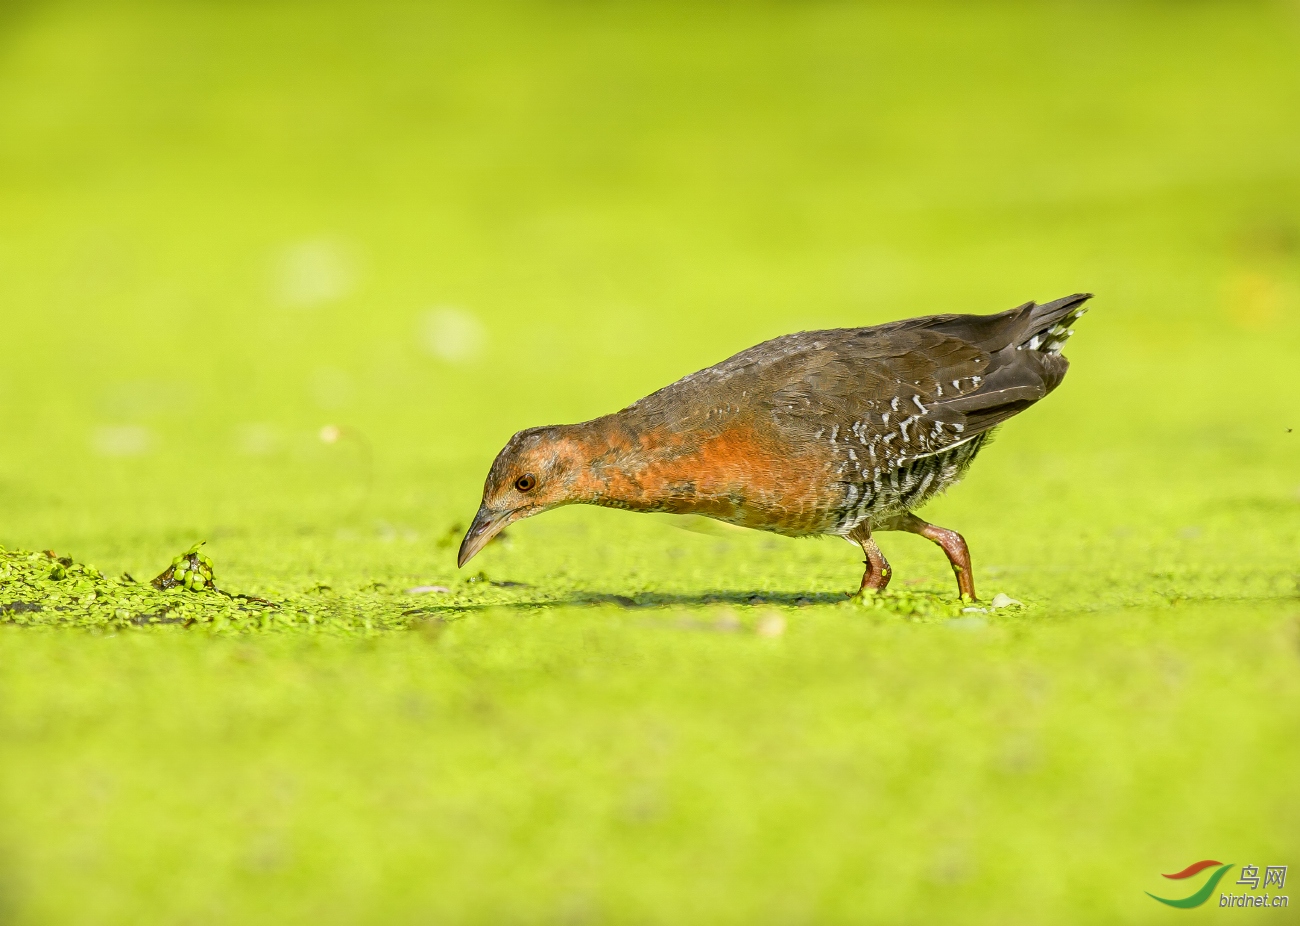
x,y
842,432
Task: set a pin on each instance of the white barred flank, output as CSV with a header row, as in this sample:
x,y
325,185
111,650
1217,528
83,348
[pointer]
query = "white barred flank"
x,y
886,492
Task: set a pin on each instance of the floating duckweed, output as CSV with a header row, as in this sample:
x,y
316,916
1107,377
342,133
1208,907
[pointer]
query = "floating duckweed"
x,y
915,605
191,570
45,590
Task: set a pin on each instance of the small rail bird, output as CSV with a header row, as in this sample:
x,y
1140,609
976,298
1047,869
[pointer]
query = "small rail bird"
x,y
842,432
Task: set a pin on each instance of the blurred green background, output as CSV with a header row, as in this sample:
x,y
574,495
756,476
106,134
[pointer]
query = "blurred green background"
x,y
226,225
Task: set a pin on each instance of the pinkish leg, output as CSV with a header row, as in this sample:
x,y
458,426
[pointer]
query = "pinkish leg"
x,y
878,573
951,543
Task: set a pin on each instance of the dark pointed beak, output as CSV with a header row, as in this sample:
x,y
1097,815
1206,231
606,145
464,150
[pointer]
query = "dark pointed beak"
x,y
487,524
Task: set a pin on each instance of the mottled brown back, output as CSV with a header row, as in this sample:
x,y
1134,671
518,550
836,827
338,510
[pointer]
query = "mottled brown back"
x,y
930,382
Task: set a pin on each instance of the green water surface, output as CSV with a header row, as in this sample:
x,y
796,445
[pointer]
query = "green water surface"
x,y
285,276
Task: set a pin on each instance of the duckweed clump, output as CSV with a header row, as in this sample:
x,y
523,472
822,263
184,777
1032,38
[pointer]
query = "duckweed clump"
x,y
192,570
910,604
48,590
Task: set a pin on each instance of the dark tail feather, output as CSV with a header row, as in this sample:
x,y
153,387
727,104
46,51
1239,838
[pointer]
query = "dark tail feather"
x,y
1026,327
1048,326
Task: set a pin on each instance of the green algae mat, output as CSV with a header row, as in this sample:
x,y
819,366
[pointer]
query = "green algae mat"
x,y
280,279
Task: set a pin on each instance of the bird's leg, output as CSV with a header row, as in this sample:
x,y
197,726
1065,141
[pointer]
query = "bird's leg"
x,y
878,573
952,544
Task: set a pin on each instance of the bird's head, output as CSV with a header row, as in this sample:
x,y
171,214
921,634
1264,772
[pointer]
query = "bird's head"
x,y
539,469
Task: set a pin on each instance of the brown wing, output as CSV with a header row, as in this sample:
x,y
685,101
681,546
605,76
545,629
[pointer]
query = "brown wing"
x,y
885,398
893,392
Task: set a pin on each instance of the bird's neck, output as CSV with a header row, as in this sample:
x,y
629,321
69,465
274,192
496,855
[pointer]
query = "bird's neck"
x,y
610,463
620,463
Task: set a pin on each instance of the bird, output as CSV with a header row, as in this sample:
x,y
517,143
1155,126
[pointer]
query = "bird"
x,y
844,432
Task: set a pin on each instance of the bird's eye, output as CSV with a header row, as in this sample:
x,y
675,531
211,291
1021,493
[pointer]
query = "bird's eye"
x,y
526,482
